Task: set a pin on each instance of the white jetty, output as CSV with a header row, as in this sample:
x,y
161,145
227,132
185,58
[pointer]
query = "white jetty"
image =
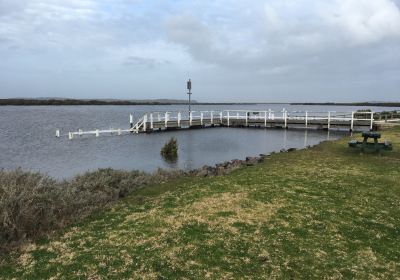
x,y
175,120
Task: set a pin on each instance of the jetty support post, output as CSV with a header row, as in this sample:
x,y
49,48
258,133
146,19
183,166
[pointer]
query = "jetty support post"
x,y
179,118
166,119
227,115
247,118
119,131
265,119
151,121
201,118
285,116
372,121
329,120
70,135
145,123
306,120
352,121
80,132
58,133
131,120
220,116
190,118
212,117
97,133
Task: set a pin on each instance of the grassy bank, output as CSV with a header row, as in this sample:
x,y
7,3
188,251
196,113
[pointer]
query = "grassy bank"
x,y
326,212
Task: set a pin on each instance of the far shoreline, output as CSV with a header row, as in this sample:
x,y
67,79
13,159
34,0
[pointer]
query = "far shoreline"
x,y
155,102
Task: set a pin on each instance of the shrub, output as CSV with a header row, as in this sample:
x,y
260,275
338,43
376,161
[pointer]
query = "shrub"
x,y
170,150
33,204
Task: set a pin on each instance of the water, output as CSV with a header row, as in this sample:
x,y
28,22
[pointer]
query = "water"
x,y
27,139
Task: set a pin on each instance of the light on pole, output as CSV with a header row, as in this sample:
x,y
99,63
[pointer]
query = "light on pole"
x,y
189,88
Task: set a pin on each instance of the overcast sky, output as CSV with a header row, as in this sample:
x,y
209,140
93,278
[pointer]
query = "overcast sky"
x,y
233,50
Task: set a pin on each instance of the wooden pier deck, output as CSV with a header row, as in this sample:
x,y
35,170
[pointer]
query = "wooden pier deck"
x,y
162,121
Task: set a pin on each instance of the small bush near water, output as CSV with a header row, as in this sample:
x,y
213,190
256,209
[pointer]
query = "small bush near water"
x,y
33,204
170,150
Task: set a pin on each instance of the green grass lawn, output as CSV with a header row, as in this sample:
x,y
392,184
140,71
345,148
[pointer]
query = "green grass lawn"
x,y
327,212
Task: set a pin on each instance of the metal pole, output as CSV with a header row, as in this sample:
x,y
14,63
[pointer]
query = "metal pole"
x,y
189,87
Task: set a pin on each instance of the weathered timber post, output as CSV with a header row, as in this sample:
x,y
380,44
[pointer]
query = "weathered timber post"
x,y
151,121
265,119
97,133
329,120
220,116
166,119
306,119
70,135
247,118
201,118
372,121
212,117
227,117
145,122
179,119
58,133
131,120
285,113
190,118
352,121
119,131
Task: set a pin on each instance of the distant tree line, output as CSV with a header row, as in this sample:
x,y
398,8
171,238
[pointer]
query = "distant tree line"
x,y
384,104
58,102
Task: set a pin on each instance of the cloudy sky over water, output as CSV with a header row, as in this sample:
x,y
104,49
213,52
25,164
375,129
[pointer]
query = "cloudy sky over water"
x,y
271,50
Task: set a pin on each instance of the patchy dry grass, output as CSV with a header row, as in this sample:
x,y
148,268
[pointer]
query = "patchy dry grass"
x,y
327,212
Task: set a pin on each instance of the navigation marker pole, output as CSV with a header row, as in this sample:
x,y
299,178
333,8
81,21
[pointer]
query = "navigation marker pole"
x,y
189,87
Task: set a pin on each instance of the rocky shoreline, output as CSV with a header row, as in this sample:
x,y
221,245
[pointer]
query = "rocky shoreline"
x,y
231,165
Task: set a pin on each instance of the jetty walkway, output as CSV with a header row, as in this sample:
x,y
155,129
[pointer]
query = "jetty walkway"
x,y
176,120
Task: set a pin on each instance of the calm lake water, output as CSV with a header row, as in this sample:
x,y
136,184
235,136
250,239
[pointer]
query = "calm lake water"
x,y
27,139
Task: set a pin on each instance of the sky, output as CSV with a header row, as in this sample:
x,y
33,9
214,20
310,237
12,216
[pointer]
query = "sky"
x,y
233,50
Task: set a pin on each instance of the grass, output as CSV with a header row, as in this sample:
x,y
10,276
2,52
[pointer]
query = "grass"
x,y
327,212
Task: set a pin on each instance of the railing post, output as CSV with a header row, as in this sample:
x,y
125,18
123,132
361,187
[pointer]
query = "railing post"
x,y
285,113
97,133
212,117
119,131
265,118
306,119
166,119
179,118
237,115
58,133
145,122
227,117
329,120
151,121
372,121
131,120
220,116
70,135
190,118
247,118
352,121
201,118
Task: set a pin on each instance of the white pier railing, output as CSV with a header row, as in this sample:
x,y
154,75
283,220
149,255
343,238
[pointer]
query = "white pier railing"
x,y
183,119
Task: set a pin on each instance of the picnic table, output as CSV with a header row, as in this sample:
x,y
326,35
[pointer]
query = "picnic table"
x,y
374,146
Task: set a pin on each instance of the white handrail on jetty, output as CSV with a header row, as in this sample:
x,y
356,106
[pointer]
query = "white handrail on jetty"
x,y
151,121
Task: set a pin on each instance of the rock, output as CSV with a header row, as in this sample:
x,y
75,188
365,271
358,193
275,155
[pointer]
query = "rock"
x,y
283,151
251,160
291,149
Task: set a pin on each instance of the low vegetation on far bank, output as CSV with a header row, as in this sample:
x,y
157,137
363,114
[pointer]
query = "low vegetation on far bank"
x,y
325,212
